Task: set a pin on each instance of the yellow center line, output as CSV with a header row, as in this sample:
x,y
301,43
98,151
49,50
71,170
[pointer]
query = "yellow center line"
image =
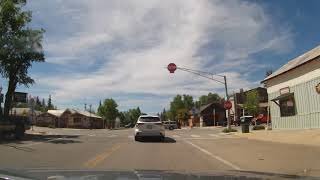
x,y
101,157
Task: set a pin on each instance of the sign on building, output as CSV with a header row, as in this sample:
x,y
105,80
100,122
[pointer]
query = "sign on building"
x,y
20,97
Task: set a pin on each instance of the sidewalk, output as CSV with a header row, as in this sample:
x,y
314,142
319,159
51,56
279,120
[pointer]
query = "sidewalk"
x,y
309,137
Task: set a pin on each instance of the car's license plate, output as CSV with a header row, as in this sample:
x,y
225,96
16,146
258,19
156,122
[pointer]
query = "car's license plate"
x,y
149,126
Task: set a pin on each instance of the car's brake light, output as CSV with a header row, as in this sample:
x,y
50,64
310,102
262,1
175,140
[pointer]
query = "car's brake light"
x,y
140,124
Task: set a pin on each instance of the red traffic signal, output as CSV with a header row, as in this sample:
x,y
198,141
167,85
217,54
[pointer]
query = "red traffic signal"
x,y
172,67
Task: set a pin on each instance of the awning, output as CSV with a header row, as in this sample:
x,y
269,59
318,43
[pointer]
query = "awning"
x,y
283,96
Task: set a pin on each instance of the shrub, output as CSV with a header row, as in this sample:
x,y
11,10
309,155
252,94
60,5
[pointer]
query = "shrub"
x,y
226,130
258,127
51,126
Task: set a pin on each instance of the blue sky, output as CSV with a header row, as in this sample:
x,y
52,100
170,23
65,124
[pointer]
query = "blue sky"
x,y
117,49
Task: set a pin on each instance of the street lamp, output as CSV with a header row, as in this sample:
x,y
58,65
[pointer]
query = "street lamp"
x,y
173,67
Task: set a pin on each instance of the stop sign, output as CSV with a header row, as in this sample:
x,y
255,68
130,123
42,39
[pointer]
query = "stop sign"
x,y
172,67
227,105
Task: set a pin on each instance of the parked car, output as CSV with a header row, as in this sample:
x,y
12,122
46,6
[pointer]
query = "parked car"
x,y
149,126
260,119
130,125
246,119
171,125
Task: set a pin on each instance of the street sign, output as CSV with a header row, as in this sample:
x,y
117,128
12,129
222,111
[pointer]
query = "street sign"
x,y
20,97
227,105
318,88
172,67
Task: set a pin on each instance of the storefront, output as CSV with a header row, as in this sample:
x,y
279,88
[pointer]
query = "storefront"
x,y
294,93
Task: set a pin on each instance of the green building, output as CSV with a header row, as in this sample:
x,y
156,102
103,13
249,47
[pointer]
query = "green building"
x,y
294,93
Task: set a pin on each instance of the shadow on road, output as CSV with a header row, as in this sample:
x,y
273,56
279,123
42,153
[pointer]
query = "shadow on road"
x,y
55,139
157,140
280,175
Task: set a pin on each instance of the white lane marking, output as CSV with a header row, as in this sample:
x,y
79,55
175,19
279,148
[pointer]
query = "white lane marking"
x,y
131,136
214,135
195,136
214,156
175,136
113,135
92,135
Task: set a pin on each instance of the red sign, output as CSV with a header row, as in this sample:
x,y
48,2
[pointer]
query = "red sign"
x,y
172,67
227,105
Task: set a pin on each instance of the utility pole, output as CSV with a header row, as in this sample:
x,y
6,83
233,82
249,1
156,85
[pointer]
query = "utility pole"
x,y
227,96
235,107
172,68
214,116
1,99
90,117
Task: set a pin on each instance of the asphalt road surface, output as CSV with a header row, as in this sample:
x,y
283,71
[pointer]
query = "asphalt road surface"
x,y
187,150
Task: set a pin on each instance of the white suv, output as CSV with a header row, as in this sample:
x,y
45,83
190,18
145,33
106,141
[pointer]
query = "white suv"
x,y
149,126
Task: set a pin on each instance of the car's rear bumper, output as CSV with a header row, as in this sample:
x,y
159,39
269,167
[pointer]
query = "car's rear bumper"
x,y
149,133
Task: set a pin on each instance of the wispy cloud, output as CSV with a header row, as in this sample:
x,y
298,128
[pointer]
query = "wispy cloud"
x,y
129,43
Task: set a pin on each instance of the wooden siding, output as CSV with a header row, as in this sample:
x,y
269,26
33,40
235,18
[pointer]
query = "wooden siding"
x,y
307,102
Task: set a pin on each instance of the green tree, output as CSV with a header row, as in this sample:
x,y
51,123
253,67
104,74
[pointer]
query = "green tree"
x,y
188,102
163,115
175,105
108,110
251,105
182,115
43,103
134,114
206,99
20,46
50,105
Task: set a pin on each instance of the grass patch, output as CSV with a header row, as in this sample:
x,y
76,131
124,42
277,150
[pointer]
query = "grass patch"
x,y
226,130
51,126
258,127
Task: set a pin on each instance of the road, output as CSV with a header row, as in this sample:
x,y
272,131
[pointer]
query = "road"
x,y
187,150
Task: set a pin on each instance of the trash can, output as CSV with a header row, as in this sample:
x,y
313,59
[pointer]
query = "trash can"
x,y
245,123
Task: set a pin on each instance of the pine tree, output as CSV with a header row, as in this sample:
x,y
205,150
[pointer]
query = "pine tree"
x,y
43,104
50,106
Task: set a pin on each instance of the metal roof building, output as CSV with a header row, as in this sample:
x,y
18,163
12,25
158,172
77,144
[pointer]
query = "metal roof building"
x,y
294,92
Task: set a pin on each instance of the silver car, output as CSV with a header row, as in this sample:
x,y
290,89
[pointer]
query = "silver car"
x,y
149,126
171,125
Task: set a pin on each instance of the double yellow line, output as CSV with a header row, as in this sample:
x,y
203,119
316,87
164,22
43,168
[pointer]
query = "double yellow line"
x,y
101,157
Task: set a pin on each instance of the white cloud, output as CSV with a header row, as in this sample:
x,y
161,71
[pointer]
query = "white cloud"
x,y
134,40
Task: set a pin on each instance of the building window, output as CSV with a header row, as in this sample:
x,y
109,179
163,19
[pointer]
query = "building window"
x,y
77,120
287,106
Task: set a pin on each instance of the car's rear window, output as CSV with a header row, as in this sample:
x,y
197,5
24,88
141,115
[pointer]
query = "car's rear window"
x,y
149,119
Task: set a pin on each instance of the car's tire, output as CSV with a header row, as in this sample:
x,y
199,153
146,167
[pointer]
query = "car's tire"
x,y
19,131
162,138
136,138
171,128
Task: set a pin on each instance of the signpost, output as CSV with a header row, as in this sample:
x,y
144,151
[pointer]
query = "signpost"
x,y
20,97
173,67
227,105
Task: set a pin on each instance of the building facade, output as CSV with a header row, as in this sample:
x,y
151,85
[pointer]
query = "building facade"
x,y
70,118
294,93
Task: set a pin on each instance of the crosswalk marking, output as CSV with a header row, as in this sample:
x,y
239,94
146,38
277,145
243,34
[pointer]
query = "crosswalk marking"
x,y
113,135
193,135
130,137
214,135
